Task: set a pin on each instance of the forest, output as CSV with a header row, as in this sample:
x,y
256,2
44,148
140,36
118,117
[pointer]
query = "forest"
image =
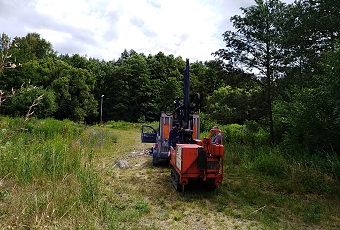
x,y
279,71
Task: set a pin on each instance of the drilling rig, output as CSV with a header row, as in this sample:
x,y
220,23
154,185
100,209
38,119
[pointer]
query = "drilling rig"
x,y
191,159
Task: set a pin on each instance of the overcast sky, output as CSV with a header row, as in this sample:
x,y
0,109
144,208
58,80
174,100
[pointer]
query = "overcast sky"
x,y
104,28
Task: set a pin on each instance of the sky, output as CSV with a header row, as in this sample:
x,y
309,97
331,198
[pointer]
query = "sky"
x,y
102,29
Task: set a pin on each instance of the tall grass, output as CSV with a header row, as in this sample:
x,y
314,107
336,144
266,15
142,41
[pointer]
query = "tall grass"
x,y
270,183
47,171
40,149
122,124
303,172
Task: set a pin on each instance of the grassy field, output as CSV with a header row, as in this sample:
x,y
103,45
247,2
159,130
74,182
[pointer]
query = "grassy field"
x,y
58,175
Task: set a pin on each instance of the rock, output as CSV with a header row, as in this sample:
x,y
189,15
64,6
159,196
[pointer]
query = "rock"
x,y
122,164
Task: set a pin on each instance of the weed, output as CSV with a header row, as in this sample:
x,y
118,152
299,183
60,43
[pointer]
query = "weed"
x,y
178,217
164,216
4,193
121,125
142,207
161,202
89,181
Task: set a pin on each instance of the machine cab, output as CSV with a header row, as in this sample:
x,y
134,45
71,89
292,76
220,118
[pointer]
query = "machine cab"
x,y
148,134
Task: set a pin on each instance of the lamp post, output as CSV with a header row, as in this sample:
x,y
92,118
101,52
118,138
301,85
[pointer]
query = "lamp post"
x,y
101,109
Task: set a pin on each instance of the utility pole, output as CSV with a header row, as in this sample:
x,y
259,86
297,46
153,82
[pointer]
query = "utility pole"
x,y
101,109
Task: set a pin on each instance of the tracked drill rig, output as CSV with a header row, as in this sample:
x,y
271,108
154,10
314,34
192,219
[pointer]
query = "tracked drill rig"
x,y
194,159
191,159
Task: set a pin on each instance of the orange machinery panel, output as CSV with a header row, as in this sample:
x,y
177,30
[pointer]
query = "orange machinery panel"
x,y
217,150
166,131
194,129
186,156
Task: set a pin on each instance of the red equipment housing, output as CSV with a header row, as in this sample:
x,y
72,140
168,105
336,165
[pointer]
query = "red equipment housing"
x,y
203,160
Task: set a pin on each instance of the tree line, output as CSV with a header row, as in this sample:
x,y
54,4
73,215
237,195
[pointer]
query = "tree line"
x,y
279,68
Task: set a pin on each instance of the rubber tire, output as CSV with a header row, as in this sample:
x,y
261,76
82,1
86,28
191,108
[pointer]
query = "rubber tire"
x,y
155,158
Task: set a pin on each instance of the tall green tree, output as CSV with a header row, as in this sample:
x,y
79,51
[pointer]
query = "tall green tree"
x,y
72,87
130,91
310,120
311,30
311,27
235,105
74,94
255,45
32,47
20,103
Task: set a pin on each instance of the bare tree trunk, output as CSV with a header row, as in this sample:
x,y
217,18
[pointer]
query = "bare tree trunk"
x,y
269,89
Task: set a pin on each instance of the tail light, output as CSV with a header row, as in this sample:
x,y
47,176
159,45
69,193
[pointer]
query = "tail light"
x,y
155,147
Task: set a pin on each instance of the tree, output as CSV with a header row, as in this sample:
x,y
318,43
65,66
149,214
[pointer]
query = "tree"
x,y
235,105
311,28
311,119
130,93
26,97
255,46
32,47
305,111
4,48
19,105
73,88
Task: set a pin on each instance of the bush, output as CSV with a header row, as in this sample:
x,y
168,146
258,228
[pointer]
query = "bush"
x,y
18,105
121,124
50,128
206,123
250,133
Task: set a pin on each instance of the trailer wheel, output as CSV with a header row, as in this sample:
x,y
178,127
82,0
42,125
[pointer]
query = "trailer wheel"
x,y
155,158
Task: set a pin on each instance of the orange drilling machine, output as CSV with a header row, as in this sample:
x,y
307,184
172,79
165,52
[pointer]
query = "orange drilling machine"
x,y
191,159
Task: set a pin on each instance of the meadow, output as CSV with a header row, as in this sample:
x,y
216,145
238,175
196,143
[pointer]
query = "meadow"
x,y
63,175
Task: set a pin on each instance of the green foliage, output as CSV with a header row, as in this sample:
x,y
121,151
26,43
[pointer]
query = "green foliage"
x,y
121,125
310,120
169,90
142,207
89,181
317,173
232,105
32,47
255,46
206,123
270,162
19,104
250,133
43,149
49,128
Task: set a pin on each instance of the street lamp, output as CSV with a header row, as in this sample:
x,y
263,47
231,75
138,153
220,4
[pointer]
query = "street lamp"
x,y
101,109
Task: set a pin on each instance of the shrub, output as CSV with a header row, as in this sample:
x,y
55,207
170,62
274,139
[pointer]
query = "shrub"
x,y
250,133
121,124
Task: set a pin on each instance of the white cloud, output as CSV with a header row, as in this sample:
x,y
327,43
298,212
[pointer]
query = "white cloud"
x,y
104,28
